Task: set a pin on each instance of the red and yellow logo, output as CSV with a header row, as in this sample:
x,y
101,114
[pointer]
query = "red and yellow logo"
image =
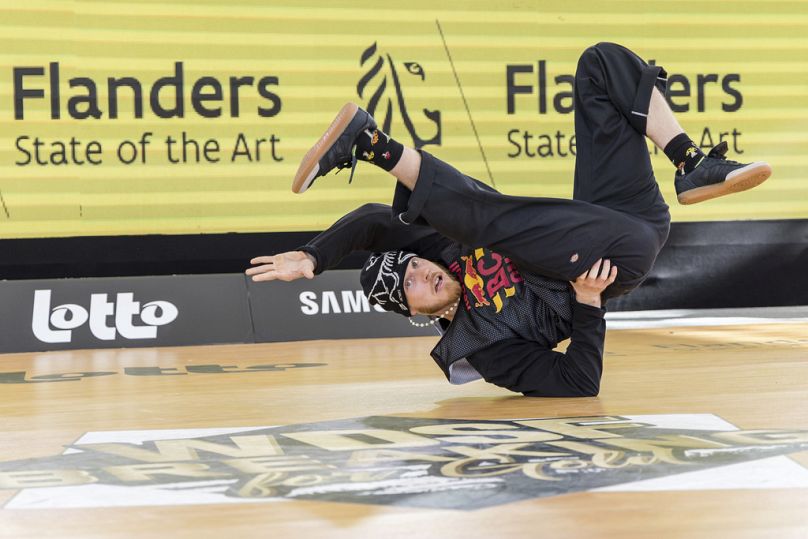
x,y
488,278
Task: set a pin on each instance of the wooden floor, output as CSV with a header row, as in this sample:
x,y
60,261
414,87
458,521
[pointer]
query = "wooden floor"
x,y
754,377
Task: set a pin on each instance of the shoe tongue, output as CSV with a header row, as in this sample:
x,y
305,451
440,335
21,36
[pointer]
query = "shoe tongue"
x,y
719,151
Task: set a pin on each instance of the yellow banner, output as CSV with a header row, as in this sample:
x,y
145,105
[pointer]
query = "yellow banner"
x,y
191,117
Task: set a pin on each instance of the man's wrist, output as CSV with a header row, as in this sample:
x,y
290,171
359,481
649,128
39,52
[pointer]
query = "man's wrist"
x,y
592,301
311,255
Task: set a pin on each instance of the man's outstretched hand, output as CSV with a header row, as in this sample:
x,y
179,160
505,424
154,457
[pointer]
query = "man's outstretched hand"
x,y
284,266
589,285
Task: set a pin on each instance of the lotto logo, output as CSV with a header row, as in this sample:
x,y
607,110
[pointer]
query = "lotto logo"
x,y
56,325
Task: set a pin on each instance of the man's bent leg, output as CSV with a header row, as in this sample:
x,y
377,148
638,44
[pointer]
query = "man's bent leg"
x,y
557,238
613,90
554,237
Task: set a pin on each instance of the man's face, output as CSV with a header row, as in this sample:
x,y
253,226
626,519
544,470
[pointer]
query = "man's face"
x,y
429,288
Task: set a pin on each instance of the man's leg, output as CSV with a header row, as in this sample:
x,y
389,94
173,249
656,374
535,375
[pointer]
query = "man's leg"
x,y
557,238
614,90
619,100
407,169
699,177
662,126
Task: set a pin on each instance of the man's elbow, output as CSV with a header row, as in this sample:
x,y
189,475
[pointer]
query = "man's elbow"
x,y
588,390
591,388
592,392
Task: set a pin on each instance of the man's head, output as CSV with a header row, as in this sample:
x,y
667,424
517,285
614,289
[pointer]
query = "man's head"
x,y
404,283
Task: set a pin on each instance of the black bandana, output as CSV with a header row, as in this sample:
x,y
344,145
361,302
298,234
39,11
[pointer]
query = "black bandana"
x,y
382,280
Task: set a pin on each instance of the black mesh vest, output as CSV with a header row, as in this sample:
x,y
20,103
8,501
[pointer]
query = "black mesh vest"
x,y
500,302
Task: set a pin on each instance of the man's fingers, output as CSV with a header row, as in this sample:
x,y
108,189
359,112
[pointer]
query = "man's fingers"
x,y
268,276
255,270
269,273
613,274
263,260
593,271
275,275
604,269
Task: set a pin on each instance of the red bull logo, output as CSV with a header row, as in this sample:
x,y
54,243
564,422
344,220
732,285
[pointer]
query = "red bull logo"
x,y
488,278
474,283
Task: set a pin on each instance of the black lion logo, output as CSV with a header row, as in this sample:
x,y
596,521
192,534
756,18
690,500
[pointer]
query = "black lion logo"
x,y
379,99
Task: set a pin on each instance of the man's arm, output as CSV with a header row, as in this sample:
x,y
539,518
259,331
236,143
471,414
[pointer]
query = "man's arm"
x,y
370,227
525,367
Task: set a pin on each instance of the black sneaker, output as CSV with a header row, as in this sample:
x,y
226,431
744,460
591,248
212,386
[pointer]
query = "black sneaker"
x,y
717,176
335,147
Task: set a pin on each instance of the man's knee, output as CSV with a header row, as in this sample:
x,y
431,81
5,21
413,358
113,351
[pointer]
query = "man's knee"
x,y
593,55
594,52
607,47
589,63
604,57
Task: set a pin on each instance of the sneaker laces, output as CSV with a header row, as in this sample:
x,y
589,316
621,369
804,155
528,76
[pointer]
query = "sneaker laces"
x,y
346,164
